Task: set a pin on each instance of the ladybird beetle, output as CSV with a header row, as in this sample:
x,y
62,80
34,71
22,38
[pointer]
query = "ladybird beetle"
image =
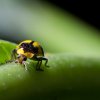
x,y
29,49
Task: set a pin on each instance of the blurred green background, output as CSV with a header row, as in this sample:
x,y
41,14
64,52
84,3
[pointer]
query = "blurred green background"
x,y
56,30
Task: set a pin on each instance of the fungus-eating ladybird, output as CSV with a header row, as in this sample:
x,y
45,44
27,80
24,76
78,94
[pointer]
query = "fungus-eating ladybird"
x,y
29,49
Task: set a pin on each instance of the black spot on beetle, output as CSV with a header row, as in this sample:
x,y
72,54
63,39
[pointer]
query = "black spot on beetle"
x,y
28,47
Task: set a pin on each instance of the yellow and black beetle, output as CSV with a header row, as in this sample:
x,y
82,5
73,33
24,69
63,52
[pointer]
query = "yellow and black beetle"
x,y
29,49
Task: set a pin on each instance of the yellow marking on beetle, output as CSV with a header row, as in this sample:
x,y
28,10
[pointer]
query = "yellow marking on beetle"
x,y
36,44
27,54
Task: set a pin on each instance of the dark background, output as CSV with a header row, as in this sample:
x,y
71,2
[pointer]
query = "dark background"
x,y
87,11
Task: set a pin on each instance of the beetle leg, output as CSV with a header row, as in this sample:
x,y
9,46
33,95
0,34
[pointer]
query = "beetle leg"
x,y
13,56
43,58
24,62
38,66
24,65
46,61
39,59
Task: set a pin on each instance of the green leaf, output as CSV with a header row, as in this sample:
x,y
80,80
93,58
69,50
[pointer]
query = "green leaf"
x,y
67,76
5,50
